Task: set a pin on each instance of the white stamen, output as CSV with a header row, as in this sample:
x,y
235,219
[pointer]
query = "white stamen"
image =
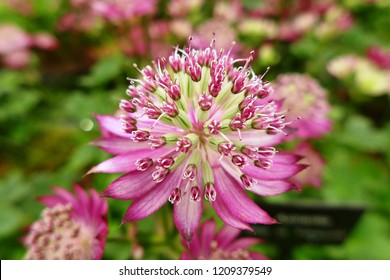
x,y
239,134
225,137
157,120
266,71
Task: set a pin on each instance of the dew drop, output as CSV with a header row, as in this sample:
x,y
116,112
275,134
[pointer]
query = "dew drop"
x,y
86,124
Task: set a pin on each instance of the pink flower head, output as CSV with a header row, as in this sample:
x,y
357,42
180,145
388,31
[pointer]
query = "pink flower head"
x,y
222,245
201,128
305,103
313,174
14,46
73,226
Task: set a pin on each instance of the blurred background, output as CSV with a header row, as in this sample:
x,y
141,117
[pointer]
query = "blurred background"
x,y
62,61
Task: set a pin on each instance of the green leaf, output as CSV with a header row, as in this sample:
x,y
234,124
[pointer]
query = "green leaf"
x,y
11,219
104,71
13,188
360,134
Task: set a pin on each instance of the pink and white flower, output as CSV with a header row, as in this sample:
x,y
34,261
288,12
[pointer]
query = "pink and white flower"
x,y
16,44
194,127
222,245
305,102
73,226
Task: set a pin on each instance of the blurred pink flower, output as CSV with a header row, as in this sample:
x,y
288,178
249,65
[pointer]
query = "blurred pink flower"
x,y
18,59
196,126
222,245
292,30
288,32
87,15
158,29
123,9
13,39
313,174
181,28
379,56
135,43
181,8
344,66
16,44
73,226
215,28
82,20
151,41
228,11
44,41
305,102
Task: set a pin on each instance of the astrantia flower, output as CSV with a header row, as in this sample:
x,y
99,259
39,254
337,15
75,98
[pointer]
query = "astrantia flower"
x,y
71,227
197,127
304,99
222,245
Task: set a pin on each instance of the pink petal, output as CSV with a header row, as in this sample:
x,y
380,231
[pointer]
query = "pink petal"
x,y
193,247
243,243
226,235
258,138
313,128
185,256
269,188
286,158
131,185
277,171
83,206
159,128
257,256
110,125
100,205
237,201
126,162
120,163
51,200
62,196
207,233
154,199
187,214
97,251
81,194
224,213
118,145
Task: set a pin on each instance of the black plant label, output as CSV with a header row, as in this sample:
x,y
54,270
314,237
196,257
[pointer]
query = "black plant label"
x,y
308,223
